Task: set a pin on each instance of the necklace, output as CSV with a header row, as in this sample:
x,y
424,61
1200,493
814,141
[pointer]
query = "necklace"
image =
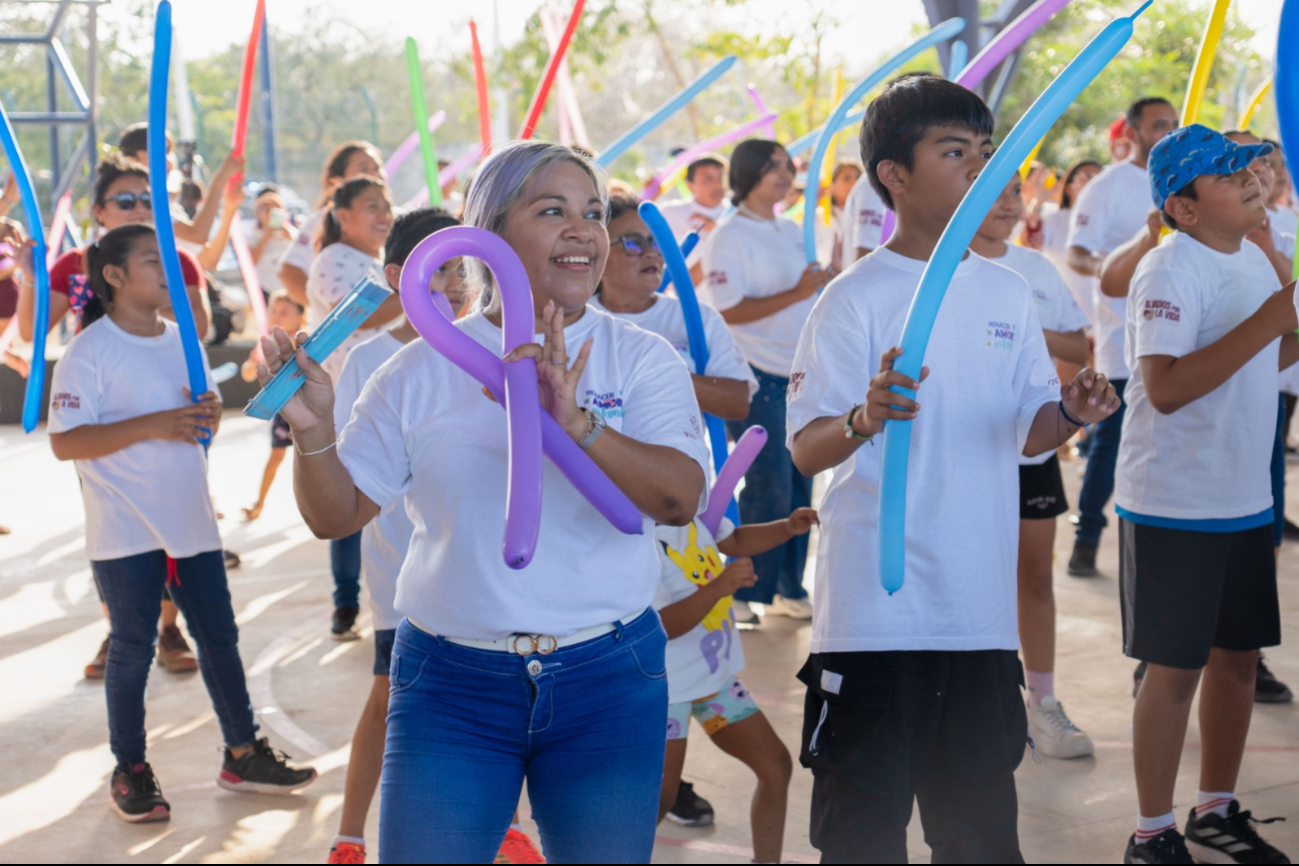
x,y
749,212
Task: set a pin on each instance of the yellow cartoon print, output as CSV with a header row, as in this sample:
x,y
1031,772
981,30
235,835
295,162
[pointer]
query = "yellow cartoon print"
x,y
700,566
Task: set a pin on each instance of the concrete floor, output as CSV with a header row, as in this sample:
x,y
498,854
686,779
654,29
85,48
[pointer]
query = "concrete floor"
x,y
308,691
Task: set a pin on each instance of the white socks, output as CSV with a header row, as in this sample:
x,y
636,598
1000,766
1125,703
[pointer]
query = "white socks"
x,y
1213,803
1149,828
1040,685
355,840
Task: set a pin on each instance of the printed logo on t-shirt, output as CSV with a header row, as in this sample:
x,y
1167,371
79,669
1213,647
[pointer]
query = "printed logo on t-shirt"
x,y
1001,335
701,566
694,432
64,400
870,218
1042,298
1083,219
717,278
609,404
1161,310
796,381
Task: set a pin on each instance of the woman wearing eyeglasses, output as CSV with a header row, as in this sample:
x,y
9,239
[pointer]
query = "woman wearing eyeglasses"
x,y
629,291
760,281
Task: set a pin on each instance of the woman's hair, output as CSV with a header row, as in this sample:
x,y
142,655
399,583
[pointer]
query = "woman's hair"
x,y
336,164
283,295
412,227
501,179
331,230
114,248
750,160
266,189
621,203
846,165
114,167
1066,200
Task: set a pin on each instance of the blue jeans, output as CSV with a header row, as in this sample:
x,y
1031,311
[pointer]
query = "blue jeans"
x,y
132,589
466,727
1098,480
345,563
773,488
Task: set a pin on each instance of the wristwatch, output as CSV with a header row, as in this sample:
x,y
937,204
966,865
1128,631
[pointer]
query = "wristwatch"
x,y
597,426
849,432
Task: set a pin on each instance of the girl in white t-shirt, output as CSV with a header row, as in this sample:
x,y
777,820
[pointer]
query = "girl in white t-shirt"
x,y
1041,487
554,674
704,658
121,410
629,291
1052,240
270,237
760,281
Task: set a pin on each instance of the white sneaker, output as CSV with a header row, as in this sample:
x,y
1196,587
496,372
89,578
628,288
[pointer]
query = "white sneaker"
x,y
1054,735
794,608
743,613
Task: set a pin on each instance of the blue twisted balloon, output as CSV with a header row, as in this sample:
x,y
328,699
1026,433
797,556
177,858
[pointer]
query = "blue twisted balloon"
x,y
687,247
1285,77
35,393
943,32
958,54
157,139
948,254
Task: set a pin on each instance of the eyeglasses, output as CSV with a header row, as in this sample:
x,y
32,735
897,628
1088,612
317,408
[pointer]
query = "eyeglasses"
x,y
128,200
636,244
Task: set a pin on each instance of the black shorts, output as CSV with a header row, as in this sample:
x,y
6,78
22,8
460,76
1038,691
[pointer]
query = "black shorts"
x,y
1185,592
1041,491
281,435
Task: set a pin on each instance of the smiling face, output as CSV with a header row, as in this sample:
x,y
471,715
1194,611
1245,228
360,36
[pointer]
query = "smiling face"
x,y
110,214
1001,220
363,162
630,279
366,222
557,228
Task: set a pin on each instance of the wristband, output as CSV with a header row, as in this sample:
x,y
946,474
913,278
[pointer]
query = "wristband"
x,y
849,432
302,453
1077,424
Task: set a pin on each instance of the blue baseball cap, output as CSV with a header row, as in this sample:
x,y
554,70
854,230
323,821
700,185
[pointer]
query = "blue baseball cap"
x,y
1193,151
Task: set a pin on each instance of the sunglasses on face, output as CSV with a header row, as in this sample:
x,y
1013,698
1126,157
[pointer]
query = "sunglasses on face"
x,y
636,245
128,200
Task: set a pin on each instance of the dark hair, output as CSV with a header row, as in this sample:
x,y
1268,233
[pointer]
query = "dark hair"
x,y
705,160
114,167
114,248
191,188
331,231
336,164
1066,200
750,160
266,189
1136,109
621,203
843,165
135,138
1187,191
411,228
903,114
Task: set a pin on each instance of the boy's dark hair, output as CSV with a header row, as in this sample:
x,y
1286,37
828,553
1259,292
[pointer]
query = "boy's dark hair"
x,y
331,231
266,189
1136,109
750,160
283,295
706,159
1187,191
411,228
135,139
114,248
620,203
114,167
903,114
1066,200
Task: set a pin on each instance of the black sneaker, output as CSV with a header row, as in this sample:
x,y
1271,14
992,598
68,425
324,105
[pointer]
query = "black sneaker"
x,y
1137,676
690,809
232,559
1290,532
1167,847
1215,839
1083,561
262,771
1268,689
137,797
344,624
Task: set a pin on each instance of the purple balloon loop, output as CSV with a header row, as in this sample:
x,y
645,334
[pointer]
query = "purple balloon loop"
x,y
519,395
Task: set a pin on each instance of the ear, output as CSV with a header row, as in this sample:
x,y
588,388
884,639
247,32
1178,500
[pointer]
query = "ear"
x,y
890,176
114,276
393,274
1182,210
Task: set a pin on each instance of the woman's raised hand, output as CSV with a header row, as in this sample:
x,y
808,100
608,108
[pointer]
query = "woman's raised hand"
x,y
557,381
311,409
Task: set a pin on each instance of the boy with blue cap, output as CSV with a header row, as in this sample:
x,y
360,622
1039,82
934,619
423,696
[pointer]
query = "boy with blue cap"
x,y
1208,327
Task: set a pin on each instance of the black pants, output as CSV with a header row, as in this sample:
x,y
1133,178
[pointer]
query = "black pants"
x,y
884,729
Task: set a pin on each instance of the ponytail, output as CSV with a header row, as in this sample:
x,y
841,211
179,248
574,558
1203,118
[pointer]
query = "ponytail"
x,y
331,230
112,249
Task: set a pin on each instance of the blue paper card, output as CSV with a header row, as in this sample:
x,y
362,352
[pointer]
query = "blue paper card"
x,y
350,314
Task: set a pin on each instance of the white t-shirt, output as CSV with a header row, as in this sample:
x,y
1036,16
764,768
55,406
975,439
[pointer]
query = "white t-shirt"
x,y
683,217
1210,459
864,219
1109,211
335,271
1056,309
703,660
1284,219
990,374
666,319
423,430
152,495
268,266
303,249
1055,246
756,258
385,540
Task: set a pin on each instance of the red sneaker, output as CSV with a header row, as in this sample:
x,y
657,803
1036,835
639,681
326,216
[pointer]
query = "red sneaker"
x,y
347,852
518,848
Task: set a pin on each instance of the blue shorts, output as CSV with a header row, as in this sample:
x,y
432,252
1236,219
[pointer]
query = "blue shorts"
x,y
281,435
383,639
732,704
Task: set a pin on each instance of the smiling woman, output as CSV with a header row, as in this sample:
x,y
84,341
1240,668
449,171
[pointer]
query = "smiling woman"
x,y
555,673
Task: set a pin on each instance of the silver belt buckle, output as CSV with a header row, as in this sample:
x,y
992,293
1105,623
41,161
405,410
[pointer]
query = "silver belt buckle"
x,y
536,644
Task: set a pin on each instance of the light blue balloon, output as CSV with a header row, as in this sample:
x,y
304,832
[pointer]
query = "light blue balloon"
x,y
947,255
36,378
687,247
956,58
189,339
669,108
948,29
1285,77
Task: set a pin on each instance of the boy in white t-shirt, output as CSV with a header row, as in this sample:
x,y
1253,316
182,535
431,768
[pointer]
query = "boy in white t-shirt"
x,y
917,695
1207,332
863,221
706,180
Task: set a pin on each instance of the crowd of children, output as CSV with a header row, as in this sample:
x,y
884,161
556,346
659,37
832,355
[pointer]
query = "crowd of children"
x,y
1142,301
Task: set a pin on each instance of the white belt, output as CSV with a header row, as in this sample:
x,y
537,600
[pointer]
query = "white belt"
x,y
531,644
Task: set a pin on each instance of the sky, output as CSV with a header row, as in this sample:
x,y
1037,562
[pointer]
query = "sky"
x,y
869,27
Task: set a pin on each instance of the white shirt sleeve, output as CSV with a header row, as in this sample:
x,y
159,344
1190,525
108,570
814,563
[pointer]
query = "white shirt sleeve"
x,y
832,369
1165,309
1070,316
724,265
347,391
1035,381
724,358
373,445
74,394
1087,220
